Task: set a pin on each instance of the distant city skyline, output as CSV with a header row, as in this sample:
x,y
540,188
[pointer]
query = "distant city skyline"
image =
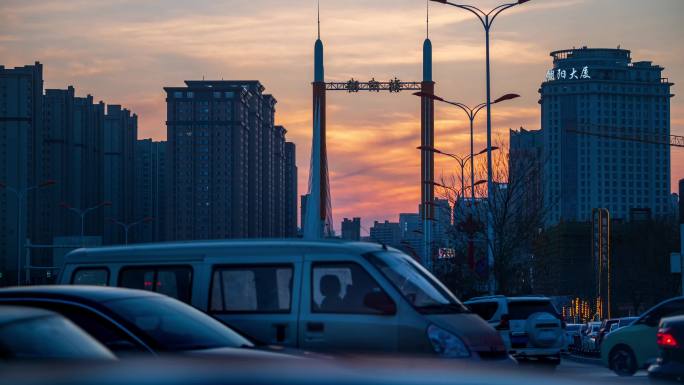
x,y
127,51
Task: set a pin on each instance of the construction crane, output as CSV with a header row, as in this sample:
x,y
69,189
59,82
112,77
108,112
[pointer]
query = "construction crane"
x,y
664,139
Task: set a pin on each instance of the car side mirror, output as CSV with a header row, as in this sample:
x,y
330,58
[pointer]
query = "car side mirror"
x,y
381,302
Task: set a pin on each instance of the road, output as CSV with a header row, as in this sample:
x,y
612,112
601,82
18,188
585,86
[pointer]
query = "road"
x,y
597,374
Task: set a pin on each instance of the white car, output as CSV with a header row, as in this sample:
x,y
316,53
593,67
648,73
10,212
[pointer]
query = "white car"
x,y
530,326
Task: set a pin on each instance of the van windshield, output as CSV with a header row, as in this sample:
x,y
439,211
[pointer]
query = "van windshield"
x,y
420,288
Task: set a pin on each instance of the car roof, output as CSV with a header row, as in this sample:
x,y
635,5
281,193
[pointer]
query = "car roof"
x,y
189,249
529,298
497,298
79,293
9,314
675,320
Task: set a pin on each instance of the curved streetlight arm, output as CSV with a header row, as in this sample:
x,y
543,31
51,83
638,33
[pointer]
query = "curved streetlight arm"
x,y
498,10
97,206
465,108
478,108
476,11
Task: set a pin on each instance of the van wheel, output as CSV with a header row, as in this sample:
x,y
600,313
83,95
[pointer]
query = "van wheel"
x,y
622,361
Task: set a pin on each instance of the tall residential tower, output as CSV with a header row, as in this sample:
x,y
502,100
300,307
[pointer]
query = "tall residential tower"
x,y
602,92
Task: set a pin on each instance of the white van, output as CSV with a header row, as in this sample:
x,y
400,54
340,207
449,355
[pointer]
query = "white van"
x,y
314,295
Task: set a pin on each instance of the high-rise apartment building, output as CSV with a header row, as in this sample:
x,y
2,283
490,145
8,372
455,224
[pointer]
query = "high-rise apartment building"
x,y
302,211
278,182
208,149
21,91
227,162
150,191
601,91
387,233
120,135
524,171
290,190
442,223
268,148
351,229
68,149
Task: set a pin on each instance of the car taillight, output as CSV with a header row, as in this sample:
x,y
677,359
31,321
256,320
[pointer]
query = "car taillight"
x,y
665,339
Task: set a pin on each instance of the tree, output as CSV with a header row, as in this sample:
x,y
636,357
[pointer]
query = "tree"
x,y
517,210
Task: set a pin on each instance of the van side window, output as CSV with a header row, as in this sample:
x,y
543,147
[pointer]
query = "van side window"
x,y
174,281
87,276
251,289
342,288
485,310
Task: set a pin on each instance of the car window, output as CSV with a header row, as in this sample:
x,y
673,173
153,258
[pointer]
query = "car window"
x,y
170,325
519,310
48,337
342,288
252,289
103,330
417,285
486,310
668,309
174,281
90,276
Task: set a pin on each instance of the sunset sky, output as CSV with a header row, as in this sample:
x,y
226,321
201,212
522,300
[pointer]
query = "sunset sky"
x,y
125,51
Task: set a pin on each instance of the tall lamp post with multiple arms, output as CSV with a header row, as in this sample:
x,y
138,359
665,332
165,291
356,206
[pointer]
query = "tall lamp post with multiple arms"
x,y
128,226
83,212
487,19
472,114
462,162
21,195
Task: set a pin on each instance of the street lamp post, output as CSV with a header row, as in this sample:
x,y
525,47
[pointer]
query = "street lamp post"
x,y
462,162
21,195
128,226
472,114
487,19
83,212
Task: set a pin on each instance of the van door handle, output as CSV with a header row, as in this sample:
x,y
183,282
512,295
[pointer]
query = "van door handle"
x,y
315,327
280,332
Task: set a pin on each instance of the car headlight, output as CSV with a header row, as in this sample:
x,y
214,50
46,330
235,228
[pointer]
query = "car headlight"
x,y
446,344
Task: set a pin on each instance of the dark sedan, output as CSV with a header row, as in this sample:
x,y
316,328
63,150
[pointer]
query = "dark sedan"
x,y
670,338
28,334
136,322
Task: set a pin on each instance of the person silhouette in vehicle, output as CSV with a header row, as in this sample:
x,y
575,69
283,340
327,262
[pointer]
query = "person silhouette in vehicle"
x,y
331,288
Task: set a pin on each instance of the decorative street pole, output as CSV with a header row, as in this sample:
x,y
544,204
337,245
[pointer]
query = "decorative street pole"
x,y
472,114
462,161
128,226
83,213
487,19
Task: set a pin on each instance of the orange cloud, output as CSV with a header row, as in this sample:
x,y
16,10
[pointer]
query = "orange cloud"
x,y
125,51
